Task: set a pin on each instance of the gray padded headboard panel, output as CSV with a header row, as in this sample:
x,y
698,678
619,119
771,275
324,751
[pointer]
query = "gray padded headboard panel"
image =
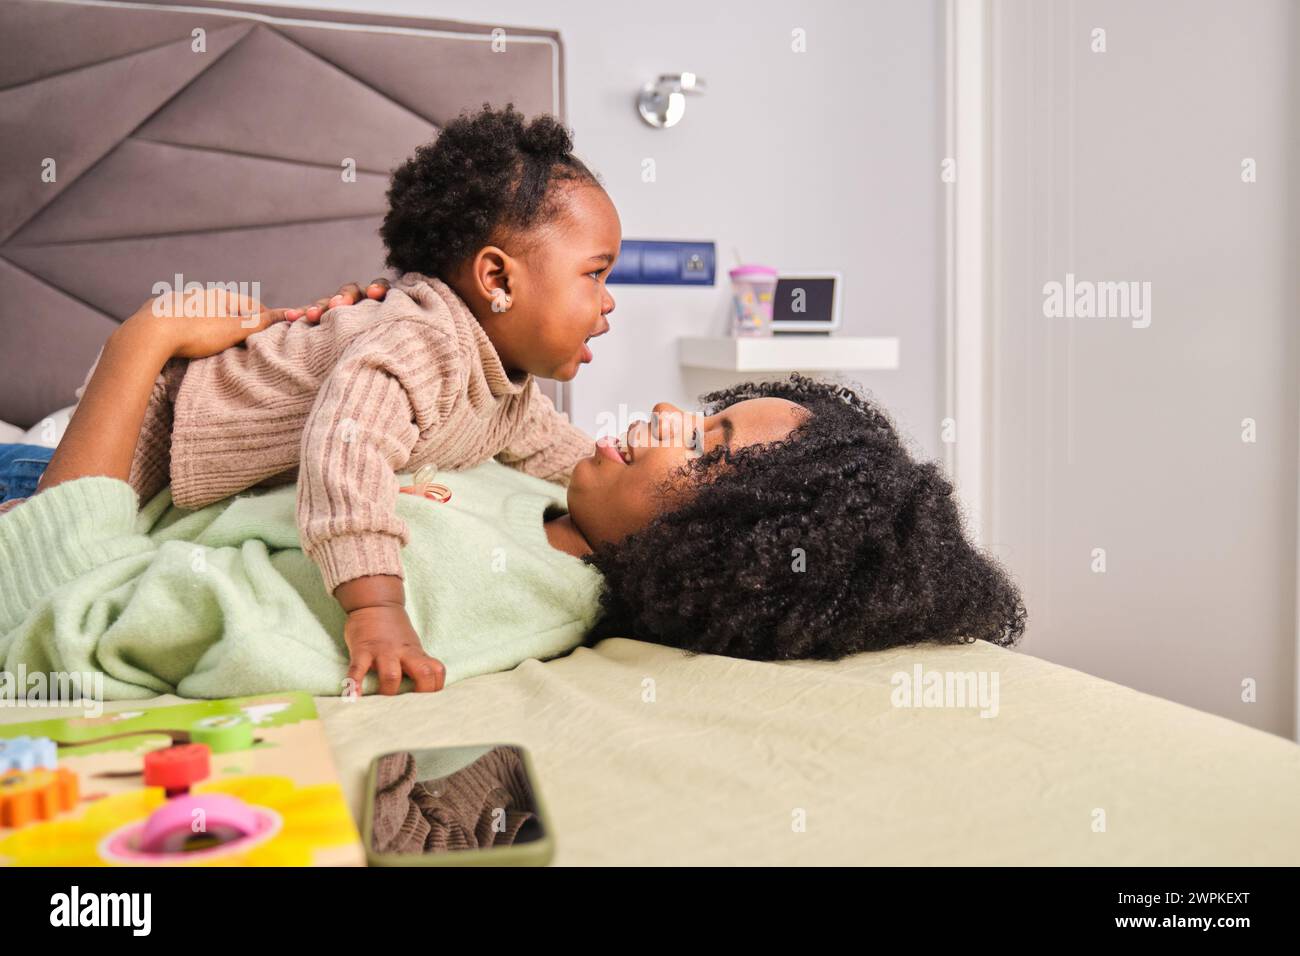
x,y
221,165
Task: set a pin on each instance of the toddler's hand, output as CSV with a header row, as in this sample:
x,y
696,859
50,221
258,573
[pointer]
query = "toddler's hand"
x,y
382,639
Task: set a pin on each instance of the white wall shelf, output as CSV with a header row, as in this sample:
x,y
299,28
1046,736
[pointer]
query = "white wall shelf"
x,y
788,351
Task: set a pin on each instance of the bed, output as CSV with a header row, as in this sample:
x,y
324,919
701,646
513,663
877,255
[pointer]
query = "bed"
x,y
740,763
644,755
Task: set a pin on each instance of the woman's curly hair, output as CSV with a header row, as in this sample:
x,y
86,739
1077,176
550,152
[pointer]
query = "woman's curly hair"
x,y
829,542
487,176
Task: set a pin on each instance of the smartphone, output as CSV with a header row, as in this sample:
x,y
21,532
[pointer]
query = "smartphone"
x,y
472,805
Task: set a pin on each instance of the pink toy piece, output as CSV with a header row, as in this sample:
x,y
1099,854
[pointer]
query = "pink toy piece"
x,y
224,819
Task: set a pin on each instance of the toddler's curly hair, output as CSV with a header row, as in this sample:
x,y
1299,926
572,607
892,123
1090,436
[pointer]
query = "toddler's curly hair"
x,y
488,178
829,542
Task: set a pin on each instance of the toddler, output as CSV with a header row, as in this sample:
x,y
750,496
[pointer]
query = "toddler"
x,y
503,240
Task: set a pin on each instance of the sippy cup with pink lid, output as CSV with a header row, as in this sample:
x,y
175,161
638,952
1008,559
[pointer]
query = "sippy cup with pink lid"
x,y
753,288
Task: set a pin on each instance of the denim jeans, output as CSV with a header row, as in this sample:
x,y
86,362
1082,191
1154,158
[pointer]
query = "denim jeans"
x,y
21,467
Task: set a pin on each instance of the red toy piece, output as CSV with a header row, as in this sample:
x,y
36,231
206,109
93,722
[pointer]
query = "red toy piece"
x,y
176,769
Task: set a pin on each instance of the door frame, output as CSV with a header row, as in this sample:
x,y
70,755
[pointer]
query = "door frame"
x,y
968,255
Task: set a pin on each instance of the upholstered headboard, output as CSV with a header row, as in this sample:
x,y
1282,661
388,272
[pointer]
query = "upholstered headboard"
x,y
146,139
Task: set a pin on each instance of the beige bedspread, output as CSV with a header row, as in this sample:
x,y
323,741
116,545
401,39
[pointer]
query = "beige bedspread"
x,y
646,756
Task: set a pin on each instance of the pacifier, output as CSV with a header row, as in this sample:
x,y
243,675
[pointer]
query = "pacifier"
x,y
422,484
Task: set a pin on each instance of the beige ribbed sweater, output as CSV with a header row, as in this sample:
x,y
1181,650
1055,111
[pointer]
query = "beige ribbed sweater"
x,y
375,389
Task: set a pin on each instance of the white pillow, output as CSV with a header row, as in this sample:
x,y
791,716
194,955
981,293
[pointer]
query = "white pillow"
x,y
49,430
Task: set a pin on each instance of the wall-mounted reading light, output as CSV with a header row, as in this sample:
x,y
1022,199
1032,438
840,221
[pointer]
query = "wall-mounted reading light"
x,y
662,102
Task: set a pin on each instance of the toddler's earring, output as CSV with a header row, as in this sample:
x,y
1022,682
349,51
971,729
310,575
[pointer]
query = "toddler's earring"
x,y
500,301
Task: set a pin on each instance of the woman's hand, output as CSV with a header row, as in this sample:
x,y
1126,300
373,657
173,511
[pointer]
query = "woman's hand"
x,y
200,323
382,639
349,294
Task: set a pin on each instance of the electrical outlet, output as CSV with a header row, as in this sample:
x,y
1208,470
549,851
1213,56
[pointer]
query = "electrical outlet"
x,y
659,262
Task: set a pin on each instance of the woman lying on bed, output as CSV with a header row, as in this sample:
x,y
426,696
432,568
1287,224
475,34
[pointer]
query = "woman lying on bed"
x,y
785,521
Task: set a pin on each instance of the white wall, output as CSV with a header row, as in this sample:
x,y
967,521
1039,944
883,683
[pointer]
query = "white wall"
x,y
1126,165
1123,165
823,160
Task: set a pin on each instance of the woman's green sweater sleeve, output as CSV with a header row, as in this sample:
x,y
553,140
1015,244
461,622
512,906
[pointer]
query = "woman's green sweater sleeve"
x,y
59,534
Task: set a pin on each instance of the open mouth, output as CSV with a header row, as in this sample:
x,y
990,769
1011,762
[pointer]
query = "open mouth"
x,y
587,354
613,449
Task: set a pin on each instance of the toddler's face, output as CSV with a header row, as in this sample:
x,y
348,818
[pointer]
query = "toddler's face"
x,y
558,294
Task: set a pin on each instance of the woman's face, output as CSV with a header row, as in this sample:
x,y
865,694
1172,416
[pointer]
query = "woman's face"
x,y
618,490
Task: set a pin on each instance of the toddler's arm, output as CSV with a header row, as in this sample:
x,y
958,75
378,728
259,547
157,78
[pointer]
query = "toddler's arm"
x,y
546,444
360,432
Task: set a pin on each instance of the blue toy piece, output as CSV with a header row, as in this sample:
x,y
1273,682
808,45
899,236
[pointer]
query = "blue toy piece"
x,y
28,753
